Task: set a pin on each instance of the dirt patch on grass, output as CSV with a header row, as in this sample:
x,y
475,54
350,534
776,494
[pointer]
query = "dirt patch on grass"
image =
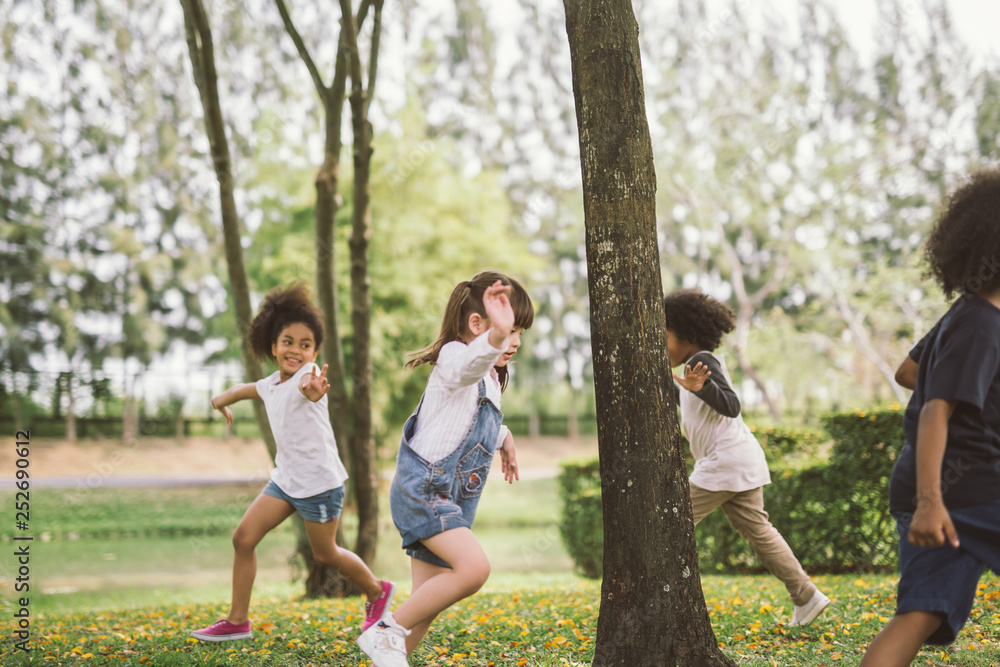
x,y
206,456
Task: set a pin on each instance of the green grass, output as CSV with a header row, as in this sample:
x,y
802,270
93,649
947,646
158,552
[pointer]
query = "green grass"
x,y
74,513
80,513
515,620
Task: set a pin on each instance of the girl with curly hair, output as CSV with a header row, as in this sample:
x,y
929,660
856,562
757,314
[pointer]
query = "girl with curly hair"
x,y
308,476
730,469
945,488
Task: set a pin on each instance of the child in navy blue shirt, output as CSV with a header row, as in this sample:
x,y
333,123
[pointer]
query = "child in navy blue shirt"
x,y
945,489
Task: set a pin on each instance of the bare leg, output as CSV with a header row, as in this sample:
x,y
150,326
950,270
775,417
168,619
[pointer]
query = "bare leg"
x,y
421,573
899,642
264,513
470,570
323,540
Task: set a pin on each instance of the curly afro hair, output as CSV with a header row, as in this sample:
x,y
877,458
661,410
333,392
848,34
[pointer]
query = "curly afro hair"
x,y
281,308
697,318
963,246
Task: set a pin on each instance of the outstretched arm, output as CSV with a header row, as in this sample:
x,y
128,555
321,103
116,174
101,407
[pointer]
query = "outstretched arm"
x,y
235,393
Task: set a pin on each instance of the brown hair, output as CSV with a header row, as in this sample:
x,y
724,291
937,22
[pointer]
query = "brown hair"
x,y
466,299
281,308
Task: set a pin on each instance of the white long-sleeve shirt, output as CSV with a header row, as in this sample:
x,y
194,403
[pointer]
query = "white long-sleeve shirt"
x,y
727,456
452,397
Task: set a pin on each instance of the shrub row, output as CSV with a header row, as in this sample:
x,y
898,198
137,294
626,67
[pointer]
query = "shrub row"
x,y
834,513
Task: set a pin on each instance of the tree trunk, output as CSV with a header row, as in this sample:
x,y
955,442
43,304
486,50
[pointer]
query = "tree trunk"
x,y
201,50
70,409
327,205
362,443
652,607
18,404
572,418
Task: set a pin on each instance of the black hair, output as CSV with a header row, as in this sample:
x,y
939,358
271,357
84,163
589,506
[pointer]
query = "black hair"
x,y
962,248
281,308
697,318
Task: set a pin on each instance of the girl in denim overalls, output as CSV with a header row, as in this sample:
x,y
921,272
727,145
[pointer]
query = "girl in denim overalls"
x,y
445,455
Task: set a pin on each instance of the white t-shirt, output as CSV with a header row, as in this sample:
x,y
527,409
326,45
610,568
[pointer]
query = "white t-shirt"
x,y
452,397
307,462
727,456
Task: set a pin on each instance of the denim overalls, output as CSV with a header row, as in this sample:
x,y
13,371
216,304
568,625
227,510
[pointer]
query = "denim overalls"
x,y
429,498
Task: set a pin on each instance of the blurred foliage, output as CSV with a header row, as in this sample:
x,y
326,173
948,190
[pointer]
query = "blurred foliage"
x,y
790,166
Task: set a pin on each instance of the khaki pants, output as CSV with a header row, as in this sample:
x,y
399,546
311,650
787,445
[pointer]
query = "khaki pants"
x,y
745,511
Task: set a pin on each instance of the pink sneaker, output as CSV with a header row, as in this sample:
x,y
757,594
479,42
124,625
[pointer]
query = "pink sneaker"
x,y
374,611
223,631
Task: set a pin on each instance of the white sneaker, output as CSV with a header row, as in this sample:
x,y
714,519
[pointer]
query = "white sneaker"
x,y
385,643
810,610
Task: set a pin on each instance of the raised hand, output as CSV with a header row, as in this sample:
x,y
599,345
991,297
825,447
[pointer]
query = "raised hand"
x,y
694,379
314,386
496,302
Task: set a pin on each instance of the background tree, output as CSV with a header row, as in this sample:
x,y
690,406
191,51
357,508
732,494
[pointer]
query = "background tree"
x,y
652,607
202,54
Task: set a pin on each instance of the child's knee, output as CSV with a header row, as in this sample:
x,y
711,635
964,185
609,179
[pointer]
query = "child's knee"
x,y
243,540
330,556
476,573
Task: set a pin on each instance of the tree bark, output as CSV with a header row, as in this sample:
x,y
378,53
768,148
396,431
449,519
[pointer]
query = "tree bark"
x,y
201,50
652,606
362,443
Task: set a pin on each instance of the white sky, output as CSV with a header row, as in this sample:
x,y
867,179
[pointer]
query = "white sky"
x,y
975,21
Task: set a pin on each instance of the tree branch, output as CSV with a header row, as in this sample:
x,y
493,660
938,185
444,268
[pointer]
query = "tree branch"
x,y
373,55
300,46
861,340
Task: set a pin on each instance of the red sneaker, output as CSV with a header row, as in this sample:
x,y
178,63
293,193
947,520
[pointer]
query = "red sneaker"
x,y
374,611
223,631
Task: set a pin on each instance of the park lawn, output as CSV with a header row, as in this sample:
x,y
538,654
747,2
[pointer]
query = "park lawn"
x,y
519,620
81,513
78,513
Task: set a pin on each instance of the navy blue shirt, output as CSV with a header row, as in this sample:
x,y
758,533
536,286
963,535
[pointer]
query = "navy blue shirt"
x,y
958,360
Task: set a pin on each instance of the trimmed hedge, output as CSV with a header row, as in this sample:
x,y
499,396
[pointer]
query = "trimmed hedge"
x,y
582,525
834,515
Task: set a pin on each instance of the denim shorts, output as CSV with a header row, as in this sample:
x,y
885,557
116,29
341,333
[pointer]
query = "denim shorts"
x,y
321,508
944,579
